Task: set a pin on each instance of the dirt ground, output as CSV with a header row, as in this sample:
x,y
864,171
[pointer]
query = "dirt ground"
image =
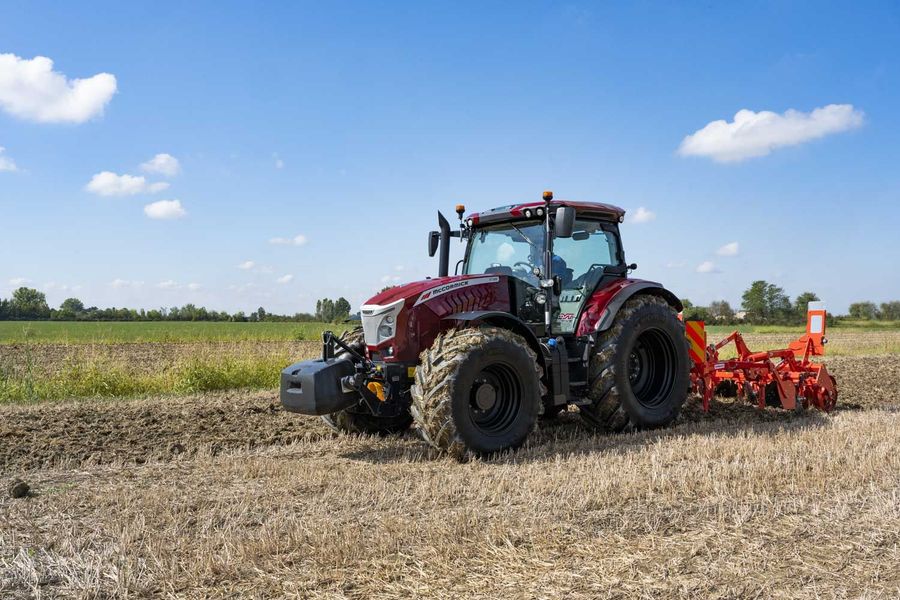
x,y
226,495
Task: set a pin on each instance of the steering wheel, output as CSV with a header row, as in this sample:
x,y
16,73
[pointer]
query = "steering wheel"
x,y
528,266
525,271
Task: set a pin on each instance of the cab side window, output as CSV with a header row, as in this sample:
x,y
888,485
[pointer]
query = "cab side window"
x,y
588,250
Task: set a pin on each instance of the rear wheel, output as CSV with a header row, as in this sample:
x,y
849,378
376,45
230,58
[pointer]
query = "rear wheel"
x,y
359,419
477,391
640,373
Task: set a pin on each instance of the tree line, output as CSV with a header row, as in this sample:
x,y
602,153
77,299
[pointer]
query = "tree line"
x,y
762,303
765,303
869,311
29,304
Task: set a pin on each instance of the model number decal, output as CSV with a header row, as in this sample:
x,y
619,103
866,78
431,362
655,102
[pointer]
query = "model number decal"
x,y
449,287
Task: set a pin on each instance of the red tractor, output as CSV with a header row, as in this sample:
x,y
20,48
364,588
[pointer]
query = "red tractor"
x,y
542,316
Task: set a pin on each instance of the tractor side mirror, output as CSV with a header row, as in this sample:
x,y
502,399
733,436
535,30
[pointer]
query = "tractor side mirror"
x,y
434,239
565,221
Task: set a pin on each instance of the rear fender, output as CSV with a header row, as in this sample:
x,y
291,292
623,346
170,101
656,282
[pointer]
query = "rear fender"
x,y
600,311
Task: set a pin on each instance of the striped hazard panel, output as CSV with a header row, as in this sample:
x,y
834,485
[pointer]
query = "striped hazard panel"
x,y
696,335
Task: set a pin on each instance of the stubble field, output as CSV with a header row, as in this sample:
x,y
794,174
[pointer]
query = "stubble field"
x,y
222,494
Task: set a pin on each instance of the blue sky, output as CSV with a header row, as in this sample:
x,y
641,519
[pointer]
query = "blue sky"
x,y
350,124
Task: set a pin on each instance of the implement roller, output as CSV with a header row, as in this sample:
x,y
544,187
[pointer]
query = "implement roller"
x,y
787,378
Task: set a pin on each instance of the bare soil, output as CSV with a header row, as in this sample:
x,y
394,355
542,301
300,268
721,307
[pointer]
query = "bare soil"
x,y
137,431
225,495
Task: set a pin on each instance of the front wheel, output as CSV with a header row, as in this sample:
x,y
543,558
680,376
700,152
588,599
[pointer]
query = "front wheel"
x,y
477,391
640,374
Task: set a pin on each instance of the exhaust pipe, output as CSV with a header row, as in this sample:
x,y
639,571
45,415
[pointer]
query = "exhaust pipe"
x,y
444,259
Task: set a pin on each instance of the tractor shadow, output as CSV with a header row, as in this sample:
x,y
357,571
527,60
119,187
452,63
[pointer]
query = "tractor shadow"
x,y
567,435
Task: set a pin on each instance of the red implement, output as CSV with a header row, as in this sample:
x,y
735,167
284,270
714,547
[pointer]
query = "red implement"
x,y
786,378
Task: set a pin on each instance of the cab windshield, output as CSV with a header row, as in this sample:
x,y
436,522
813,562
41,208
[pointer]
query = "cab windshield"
x,y
508,249
580,261
517,249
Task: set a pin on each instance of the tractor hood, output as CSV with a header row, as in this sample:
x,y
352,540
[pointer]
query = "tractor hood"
x,y
401,321
419,290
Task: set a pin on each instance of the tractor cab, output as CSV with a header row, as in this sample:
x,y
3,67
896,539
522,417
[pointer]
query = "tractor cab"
x,y
555,253
578,263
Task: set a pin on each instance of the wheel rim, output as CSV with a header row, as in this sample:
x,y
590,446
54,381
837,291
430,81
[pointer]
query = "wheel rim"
x,y
495,399
651,368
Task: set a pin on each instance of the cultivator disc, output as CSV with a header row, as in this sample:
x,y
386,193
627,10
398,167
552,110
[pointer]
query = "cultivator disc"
x,y
787,378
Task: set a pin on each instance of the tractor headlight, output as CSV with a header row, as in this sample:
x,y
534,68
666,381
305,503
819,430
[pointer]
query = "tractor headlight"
x,y
385,332
380,322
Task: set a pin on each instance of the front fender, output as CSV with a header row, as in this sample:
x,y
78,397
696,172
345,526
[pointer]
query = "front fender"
x,y
600,311
500,319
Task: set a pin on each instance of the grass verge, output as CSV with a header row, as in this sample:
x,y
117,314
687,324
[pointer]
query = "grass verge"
x,y
98,377
92,332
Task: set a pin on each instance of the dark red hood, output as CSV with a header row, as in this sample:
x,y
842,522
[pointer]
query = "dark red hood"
x,y
429,306
411,291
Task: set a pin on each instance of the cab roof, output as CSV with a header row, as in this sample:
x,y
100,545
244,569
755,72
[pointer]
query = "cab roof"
x,y
517,211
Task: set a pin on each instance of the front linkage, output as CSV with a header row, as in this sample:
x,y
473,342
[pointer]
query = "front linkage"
x,y
342,379
366,381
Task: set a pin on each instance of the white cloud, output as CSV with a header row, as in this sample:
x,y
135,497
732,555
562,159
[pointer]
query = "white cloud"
x,y
297,240
125,283
707,266
390,279
675,264
285,279
243,288
168,284
62,287
730,249
754,134
19,281
107,183
246,265
163,164
279,164
6,163
400,268
32,90
642,215
194,287
165,209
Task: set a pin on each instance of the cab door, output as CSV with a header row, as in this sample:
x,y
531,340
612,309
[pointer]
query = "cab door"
x,y
581,261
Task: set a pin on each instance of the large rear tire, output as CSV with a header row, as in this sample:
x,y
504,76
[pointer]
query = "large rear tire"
x,y
640,373
477,391
359,419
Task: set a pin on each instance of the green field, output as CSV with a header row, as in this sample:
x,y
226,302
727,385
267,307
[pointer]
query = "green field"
x,y
845,325
82,332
